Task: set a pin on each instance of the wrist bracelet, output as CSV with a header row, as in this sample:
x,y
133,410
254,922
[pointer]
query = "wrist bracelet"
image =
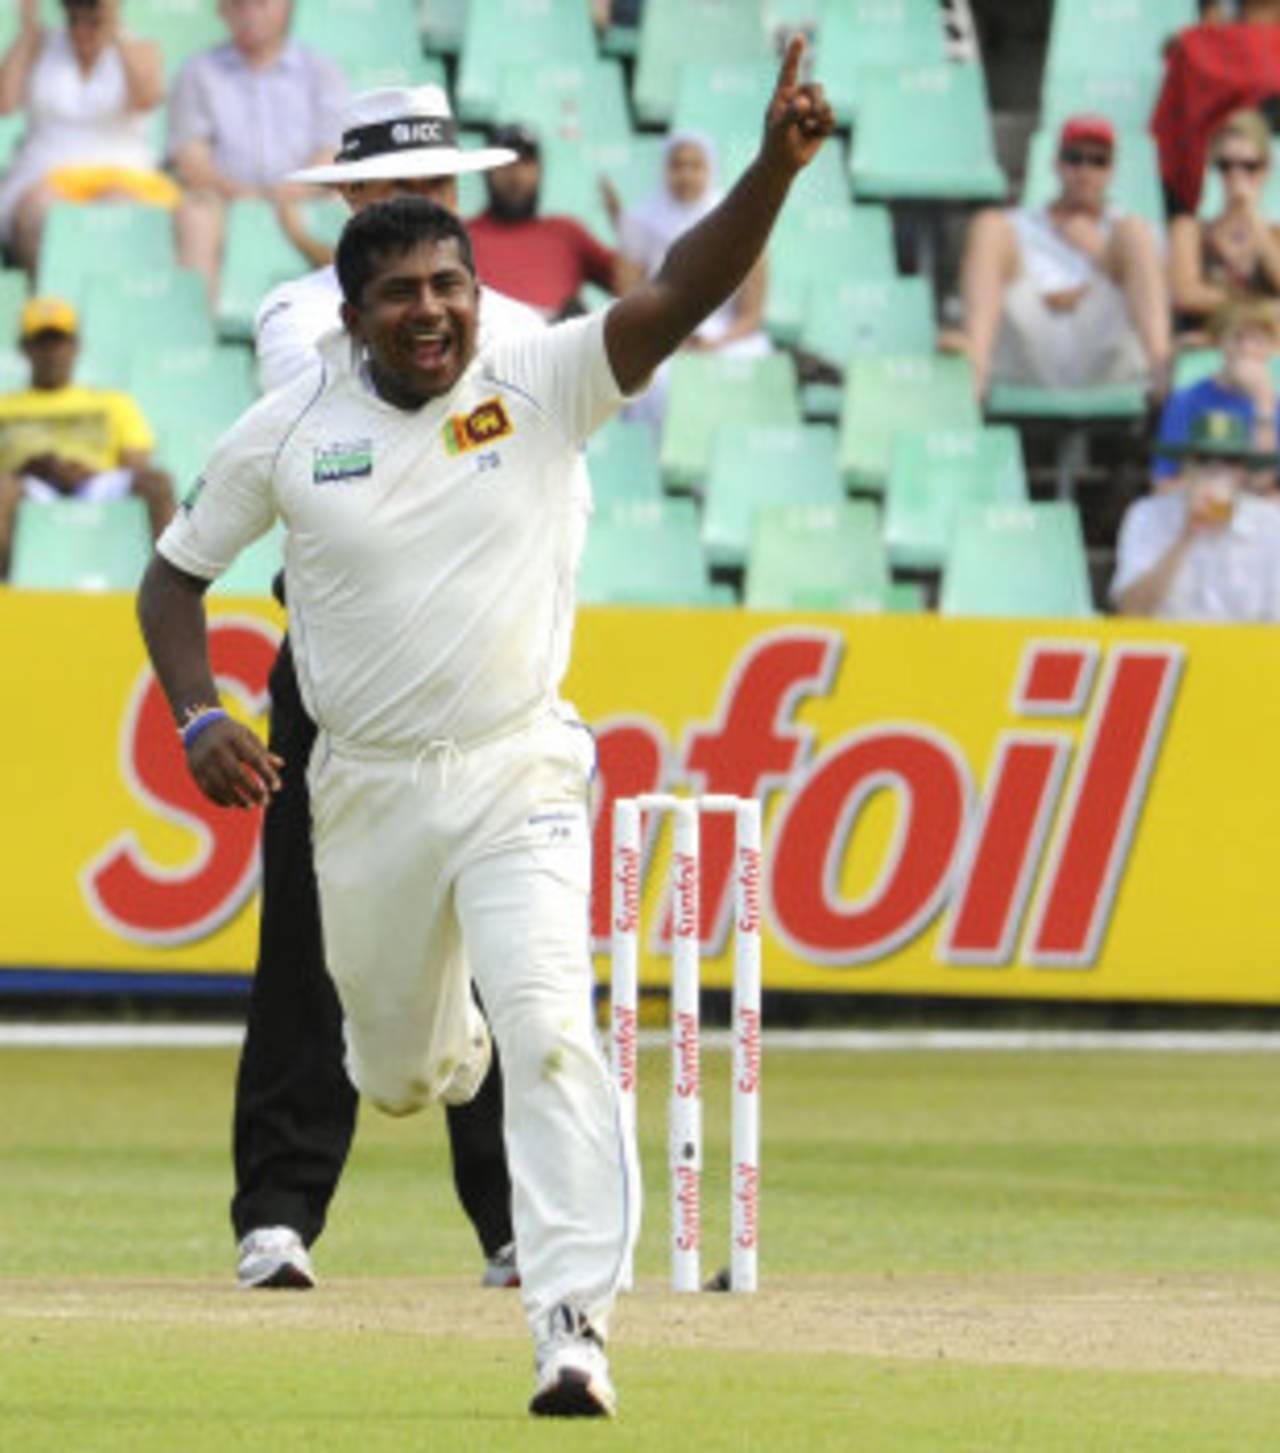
x,y
197,722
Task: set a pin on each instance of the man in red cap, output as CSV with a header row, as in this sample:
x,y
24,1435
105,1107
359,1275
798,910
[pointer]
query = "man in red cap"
x,y
1070,294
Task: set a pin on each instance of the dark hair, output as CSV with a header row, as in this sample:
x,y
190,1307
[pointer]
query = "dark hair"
x,y
390,229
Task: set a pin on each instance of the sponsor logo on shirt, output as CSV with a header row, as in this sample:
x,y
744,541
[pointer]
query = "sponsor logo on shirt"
x,y
348,459
485,424
193,494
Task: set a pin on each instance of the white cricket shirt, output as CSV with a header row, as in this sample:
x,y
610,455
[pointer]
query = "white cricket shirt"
x,y
429,554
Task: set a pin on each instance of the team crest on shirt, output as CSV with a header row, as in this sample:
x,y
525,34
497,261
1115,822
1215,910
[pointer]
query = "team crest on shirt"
x,y
485,424
347,459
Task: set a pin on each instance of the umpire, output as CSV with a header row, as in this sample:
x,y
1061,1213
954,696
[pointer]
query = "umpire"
x,y
295,1111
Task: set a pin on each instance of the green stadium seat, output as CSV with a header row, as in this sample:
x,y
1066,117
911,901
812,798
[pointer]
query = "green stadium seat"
x,y
885,395
80,544
1135,186
1113,35
623,461
141,317
254,569
442,24
755,468
933,474
532,33
814,249
1211,196
1067,405
707,391
376,43
725,100
192,401
924,134
857,35
179,27
1017,560
1195,364
111,238
678,32
13,296
1126,98
15,371
818,557
573,101
905,597
257,257
888,316
644,553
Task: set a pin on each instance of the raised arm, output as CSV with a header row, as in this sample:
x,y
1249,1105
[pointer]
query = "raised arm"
x,y
229,763
15,67
708,264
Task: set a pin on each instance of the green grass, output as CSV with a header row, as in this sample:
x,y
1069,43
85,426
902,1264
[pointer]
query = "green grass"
x,y
885,1176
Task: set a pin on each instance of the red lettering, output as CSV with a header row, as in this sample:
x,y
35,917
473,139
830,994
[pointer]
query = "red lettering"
x,y
997,879
689,1076
749,877
626,1042
818,828
135,897
747,751
688,1204
746,1192
1103,805
629,754
626,891
749,1040
1055,678
686,881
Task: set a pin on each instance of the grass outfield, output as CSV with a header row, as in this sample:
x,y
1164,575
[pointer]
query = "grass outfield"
x,y
959,1252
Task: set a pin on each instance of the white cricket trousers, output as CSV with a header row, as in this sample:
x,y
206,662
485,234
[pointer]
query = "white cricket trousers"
x,y
476,860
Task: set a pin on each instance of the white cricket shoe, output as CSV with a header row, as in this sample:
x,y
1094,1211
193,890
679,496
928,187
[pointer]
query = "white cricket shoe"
x,y
274,1256
463,1085
573,1371
502,1270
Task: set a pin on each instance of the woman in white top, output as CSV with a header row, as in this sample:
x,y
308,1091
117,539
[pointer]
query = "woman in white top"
x,y
688,192
86,90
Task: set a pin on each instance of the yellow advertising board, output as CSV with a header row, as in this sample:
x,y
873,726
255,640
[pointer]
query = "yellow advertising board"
x,y
1088,810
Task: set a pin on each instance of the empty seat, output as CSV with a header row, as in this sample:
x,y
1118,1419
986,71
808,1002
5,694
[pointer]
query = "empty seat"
x,y
857,35
566,100
708,391
441,24
80,544
257,257
111,238
142,317
1113,35
179,27
885,395
756,468
925,134
623,462
815,248
198,395
644,553
818,558
517,32
375,43
1017,560
1126,98
853,318
725,101
935,473
13,297
677,32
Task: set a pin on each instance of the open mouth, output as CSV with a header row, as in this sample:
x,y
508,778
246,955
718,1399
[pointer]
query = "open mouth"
x,y
429,350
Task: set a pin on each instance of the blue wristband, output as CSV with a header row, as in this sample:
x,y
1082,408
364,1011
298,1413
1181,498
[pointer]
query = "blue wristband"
x,y
197,724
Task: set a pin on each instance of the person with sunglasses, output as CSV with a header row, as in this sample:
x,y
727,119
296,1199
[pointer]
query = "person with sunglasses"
x,y
1070,294
1235,254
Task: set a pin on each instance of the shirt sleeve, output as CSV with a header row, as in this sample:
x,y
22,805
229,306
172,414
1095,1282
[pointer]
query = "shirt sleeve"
x,y
566,371
1144,537
131,430
232,503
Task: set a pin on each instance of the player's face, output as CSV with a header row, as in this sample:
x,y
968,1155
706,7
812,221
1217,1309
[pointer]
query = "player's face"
x,y
443,191
418,318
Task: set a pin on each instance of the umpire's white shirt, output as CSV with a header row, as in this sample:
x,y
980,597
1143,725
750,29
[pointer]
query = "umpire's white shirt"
x,y
429,590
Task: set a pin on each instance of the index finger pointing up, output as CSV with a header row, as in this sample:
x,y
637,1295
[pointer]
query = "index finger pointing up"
x,y
790,71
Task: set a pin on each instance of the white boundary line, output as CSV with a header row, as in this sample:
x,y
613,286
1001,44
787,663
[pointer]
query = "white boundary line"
x,y
861,1041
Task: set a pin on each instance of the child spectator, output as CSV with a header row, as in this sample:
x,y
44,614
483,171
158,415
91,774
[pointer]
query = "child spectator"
x,y
86,89
241,116
59,440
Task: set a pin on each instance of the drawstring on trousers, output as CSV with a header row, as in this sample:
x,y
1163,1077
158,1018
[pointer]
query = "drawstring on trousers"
x,y
445,751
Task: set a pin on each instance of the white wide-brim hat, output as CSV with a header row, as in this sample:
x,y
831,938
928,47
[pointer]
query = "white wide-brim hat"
x,y
401,133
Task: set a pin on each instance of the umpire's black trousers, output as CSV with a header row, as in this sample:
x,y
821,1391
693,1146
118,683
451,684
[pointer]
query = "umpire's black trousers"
x,y
295,1109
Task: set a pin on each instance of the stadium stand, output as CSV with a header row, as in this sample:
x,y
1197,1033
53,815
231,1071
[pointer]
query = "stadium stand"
x,y
858,37
674,33
1017,560
80,545
623,460
818,557
374,43
533,33
646,552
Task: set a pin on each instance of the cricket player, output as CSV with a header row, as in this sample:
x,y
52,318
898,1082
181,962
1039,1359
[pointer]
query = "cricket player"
x,y
427,489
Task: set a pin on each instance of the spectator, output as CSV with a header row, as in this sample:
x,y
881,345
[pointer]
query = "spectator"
x,y
1211,70
1210,549
86,88
1237,253
61,441
542,261
241,116
1067,295
688,192
1249,335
